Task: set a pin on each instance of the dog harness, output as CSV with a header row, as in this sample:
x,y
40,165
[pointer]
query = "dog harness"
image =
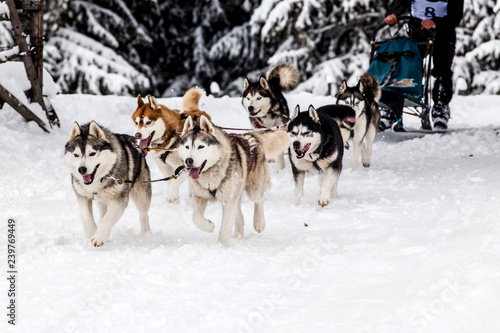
x,y
164,156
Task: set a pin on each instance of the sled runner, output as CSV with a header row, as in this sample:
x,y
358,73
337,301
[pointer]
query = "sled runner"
x,y
402,67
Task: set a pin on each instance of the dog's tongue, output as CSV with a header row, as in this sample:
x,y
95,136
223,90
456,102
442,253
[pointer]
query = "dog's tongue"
x,y
352,119
306,148
194,173
144,144
87,178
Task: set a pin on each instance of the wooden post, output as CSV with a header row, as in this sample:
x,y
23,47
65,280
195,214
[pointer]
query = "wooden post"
x,y
36,37
17,105
24,51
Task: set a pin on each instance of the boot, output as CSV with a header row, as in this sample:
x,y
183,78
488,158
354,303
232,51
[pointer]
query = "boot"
x,y
441,96
440,116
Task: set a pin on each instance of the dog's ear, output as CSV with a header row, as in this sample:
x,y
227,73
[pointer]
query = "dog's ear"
x,y
361,87
313,114
296,112
188,125
140,102
154,103
263,83
206,125
246,84
96,131
75,131
343,87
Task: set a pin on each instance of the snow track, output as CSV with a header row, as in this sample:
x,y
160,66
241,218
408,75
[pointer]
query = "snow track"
x,y
411,244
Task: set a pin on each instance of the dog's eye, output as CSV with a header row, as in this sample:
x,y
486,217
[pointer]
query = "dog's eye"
x,y
148,123
357,102
346,102
306,133
201,146
187,147
92,153
259,98
76,155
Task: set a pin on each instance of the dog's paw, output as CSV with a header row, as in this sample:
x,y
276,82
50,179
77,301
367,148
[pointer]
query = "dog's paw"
x,y
223,240
366,164
99,239
205,225
323,202
259,226
238,233
172,198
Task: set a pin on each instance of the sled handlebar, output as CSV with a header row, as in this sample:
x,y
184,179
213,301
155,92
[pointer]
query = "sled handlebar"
x,y
402,20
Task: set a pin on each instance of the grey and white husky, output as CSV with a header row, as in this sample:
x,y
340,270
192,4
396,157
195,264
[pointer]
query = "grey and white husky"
x,y
316,147
264,100
97,158
363,98
222,166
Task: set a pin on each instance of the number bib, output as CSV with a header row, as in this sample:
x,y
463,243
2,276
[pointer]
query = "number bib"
x,y
429,9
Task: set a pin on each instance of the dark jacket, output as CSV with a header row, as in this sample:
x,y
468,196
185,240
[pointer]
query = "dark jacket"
x,y
452,20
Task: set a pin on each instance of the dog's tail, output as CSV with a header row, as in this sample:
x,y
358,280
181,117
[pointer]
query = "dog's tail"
x,y
191,99
274,143
285,75
371,88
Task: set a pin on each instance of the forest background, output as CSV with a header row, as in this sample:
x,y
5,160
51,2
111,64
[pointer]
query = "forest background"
x,y
163,47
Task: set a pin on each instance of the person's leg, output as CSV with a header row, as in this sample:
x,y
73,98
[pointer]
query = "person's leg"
x,y
388,117
444,52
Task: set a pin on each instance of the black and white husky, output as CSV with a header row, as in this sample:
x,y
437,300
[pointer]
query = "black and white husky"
x,y
222,166
97,158
363,98
316,147
264,100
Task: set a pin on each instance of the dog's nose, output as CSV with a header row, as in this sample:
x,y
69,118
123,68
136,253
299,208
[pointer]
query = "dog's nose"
x,y
296,145
138,136
82,170
189,162
250,108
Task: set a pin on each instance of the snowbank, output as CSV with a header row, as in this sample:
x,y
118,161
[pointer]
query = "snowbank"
x,y
411,244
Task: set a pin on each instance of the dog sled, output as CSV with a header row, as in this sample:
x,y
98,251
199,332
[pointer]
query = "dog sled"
x,y
402,65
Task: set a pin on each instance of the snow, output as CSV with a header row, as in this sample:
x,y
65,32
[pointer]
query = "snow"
x,y
412,244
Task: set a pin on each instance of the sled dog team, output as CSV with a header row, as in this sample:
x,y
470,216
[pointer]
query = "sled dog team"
x,y
110,168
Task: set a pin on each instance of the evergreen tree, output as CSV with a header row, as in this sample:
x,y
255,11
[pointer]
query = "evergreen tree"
x,y
478,47
164,47
96,46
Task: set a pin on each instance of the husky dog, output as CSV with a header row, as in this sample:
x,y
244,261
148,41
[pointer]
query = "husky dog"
x,y
363,98
345,117
316,147
97,158
159,127
264,100
222,166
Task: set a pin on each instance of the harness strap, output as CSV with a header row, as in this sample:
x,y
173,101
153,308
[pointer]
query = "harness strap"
x,y
315,164
185,116
265,129
176,174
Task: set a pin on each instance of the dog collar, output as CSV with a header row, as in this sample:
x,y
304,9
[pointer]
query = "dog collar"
x,y
258,123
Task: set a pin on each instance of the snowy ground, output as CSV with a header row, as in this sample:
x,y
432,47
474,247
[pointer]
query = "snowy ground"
x,y
411,244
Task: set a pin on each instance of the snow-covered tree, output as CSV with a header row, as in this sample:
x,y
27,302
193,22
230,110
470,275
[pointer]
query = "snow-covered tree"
x,y
95,46
166,46
478,47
